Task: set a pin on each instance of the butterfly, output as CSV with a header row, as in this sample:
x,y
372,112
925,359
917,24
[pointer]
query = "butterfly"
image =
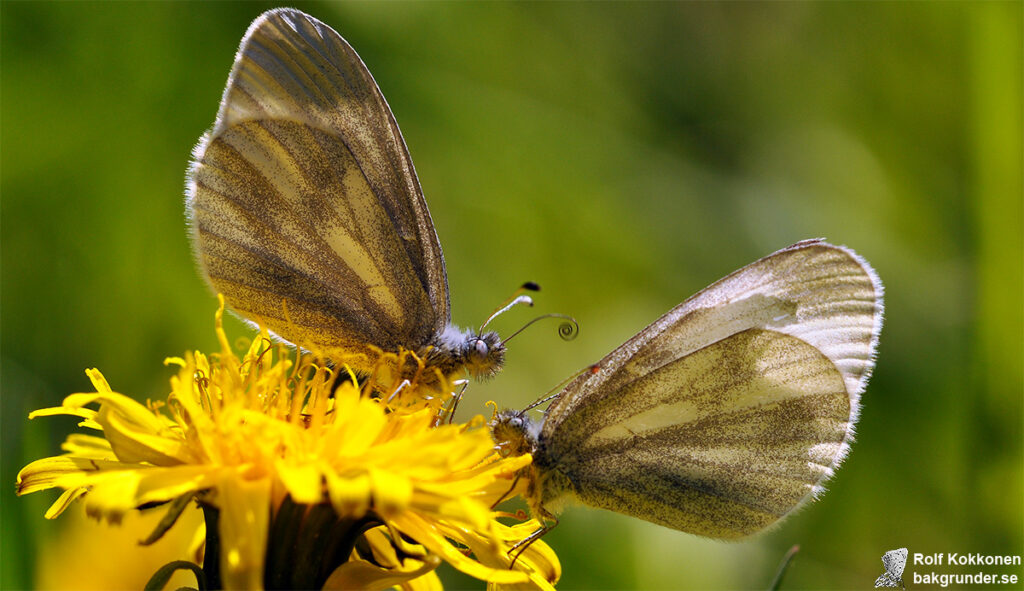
x,y
722,416
306,213
894,562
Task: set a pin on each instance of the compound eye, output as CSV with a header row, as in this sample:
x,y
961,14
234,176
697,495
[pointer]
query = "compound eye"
x,y
480,349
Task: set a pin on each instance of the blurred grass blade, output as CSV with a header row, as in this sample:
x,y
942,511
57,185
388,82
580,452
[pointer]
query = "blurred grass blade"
x,y
777,581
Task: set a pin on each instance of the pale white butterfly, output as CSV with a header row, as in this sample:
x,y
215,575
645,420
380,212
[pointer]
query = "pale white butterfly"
x,y
725,414
307,215
894,562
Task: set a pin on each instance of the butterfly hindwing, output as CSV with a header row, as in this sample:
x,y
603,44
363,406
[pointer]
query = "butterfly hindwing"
x,y
721,442
305,208
730,410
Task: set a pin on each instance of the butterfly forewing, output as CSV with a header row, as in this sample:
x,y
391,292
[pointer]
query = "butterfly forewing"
x,y
305,208
895,561
823,294
730,410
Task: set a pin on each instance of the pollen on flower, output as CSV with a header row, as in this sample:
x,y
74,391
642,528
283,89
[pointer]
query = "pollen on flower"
x,y
293,460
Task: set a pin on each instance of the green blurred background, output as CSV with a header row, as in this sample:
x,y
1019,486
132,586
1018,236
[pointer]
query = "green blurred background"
x,y
621,155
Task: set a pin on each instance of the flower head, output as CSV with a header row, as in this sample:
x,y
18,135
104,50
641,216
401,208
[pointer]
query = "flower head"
x,y
358,489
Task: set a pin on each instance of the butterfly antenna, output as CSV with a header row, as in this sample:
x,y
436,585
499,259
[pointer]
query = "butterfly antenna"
x,y
568,330
552,393
515,299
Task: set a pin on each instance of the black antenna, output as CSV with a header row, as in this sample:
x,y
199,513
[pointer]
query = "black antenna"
x,y
515,299
554,392
567,330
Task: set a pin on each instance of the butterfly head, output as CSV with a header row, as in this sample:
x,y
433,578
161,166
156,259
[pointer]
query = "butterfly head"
x,y
483,354
514,432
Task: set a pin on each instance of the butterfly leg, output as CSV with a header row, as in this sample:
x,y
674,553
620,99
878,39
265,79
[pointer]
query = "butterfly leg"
x,y
402,386
455,402
525,543
509,492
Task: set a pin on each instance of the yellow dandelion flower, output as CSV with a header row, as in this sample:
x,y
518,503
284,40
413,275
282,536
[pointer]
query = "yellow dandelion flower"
x,y
303,483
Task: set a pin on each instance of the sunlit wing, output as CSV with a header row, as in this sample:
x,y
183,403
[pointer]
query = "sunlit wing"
x,y
726,413
895,561
823,294
305,209
722,442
